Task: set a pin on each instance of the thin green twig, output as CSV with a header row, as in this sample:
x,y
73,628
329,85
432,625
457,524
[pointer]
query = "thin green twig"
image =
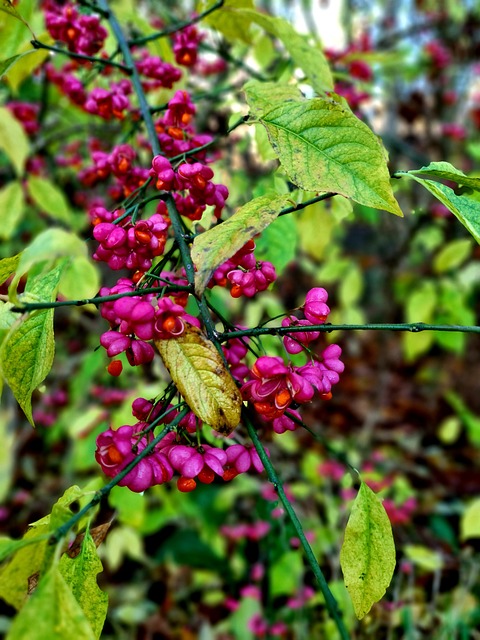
x,y
106,62
330,602
176,27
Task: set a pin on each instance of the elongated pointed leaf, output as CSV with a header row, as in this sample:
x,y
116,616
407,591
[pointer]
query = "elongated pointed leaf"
x,y
323,146
215,246
12,206
26,354
466,209
202,378
52,613
367,557
13,140
80,574
6,65
308,57
445,171
49,198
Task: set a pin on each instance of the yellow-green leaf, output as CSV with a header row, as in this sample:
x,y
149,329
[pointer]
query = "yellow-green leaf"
x,y
49,198
26,354
367,557
323,146
308,57
215,246
51,613
470,522
13,140
230,20
202,378
8,266
80,574
424,557
12,206
452,255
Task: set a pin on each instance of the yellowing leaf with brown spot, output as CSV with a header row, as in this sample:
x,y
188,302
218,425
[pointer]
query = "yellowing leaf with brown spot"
x,y
202,378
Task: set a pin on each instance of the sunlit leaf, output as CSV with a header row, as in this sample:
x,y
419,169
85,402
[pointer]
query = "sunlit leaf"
x,y
8,266
6,65
230,20
424,557
12,206
49,198
80,574
323,146
466,209
13,140
367,557
202,378
52,612
308,57
215,246
470,521
26,354
48,246
452,255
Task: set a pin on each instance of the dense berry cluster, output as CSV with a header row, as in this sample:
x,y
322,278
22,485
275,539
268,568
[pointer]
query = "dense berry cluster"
x,y
126,193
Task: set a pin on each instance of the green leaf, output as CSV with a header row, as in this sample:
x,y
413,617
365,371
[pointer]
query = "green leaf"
x,y
80,279
9,546
278,243
48,246
80,574
12,206
28,60
230,20
445,171
26,354
308,57
13,140
466,209
52,613
367,556
470,521
468,418
286,574
6,65
215,246
452,255
29,553
322,146
262,95
419,307
49,198
8,266
202,378
423,557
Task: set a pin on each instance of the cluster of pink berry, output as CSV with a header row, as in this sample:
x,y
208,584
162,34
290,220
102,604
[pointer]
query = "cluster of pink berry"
x,y
174,454
81,33
246,275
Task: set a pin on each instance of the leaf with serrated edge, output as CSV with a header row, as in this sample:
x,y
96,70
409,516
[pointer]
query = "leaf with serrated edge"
x,y
323,146
80,574
26,354
444,171
215,246
202,378
367,557
51,613
466,209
